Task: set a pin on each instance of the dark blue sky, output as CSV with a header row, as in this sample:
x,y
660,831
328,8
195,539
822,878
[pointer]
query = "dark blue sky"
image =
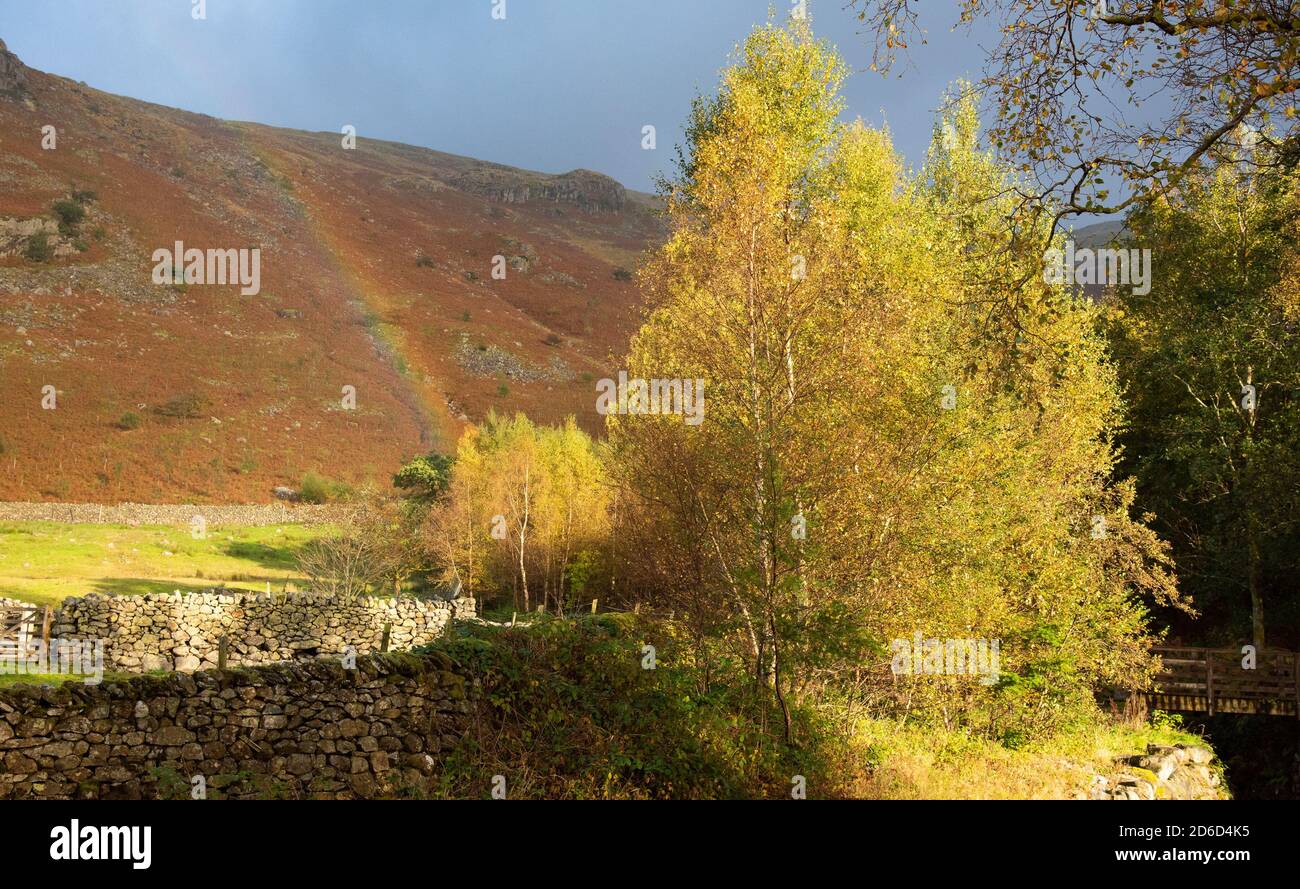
x,y
558,84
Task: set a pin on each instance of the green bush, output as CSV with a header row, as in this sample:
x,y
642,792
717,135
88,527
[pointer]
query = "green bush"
x,y
425,476
186,407
317,488
38,248
574,701
129,420
70,215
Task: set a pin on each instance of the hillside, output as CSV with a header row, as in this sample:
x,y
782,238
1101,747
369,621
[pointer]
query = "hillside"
x,y
376,272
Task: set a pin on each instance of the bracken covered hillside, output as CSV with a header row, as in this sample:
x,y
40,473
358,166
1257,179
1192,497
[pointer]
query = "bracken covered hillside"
x,y
376,272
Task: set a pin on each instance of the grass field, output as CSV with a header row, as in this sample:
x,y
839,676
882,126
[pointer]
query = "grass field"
x,y
45,562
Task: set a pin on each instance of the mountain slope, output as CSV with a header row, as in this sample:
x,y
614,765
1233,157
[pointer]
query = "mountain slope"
x,y
376,273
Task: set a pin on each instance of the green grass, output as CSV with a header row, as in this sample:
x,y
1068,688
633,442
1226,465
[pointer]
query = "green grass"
x,y
45,562
908,761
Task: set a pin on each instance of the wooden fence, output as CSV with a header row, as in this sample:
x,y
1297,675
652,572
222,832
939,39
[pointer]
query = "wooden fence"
x,y
1208,680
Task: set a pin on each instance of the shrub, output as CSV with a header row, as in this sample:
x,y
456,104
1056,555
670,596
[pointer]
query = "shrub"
x,y
344,565
317,488
129,420
355,558
552,339
186,407
424,262
574,700
622,275
70,215
426,476
38,248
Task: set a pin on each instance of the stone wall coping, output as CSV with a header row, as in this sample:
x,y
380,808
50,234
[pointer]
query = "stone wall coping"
x,y
369,667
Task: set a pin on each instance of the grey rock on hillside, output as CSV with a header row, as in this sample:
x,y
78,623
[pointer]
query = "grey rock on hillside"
x,y
13,75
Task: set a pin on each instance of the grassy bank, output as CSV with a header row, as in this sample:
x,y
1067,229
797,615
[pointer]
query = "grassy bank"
x,y
569,711
895,760
44,562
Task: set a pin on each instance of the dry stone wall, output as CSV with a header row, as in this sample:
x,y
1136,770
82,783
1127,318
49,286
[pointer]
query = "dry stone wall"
x,y
183,631
294,730
168,514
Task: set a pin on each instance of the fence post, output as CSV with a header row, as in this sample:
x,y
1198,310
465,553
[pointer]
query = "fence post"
x,y
223,652
1295,668
383,643
1209,682
45,626
593,605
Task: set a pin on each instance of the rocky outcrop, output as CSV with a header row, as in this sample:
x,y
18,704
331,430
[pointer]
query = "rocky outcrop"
x,y
13,76
313,729
583,188
1178,772
16,236
491,361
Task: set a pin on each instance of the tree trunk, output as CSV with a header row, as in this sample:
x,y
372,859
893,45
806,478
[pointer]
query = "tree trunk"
x,y
1256,596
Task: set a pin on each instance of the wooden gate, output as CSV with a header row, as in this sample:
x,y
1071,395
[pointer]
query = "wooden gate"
x,y
20,628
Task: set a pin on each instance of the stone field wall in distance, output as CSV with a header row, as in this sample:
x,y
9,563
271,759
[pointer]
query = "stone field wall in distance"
x,y
167,514
183,631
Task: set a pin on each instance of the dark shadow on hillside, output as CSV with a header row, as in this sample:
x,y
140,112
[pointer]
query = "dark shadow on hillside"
x,y
281,558
139,586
